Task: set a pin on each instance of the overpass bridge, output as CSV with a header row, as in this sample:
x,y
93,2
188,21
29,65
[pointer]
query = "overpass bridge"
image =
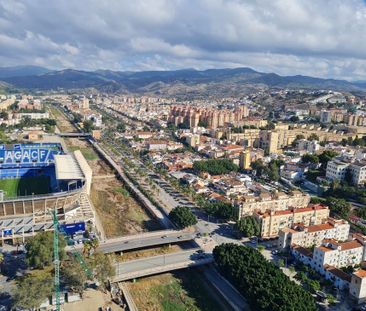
x,y
160,264
74,134
143,240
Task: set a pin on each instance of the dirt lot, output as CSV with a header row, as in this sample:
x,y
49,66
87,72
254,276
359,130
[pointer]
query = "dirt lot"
x,y
92,300
119,213
63,124
154,251
181,291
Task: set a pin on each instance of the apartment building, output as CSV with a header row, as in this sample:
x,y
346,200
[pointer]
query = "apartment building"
x,y
308,236
337,254
337,168
267,201
357,287
271,222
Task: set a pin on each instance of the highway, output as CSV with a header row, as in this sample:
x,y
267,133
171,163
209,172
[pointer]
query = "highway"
x,y
158,264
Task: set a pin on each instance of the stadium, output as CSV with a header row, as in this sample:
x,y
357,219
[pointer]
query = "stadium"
x,y
35,179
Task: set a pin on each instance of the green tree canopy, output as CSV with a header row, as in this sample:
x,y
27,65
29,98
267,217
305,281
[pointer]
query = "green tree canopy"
x,y
215,166
310,158
88,126
183,217
224,210
313,137
249,226
40,250
103,268
339,206
326,156
33,289
264,285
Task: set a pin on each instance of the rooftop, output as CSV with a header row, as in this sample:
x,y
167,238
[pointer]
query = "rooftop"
x,y
67,167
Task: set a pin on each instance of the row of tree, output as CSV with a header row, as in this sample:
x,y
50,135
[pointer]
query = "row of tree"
x,y
262,283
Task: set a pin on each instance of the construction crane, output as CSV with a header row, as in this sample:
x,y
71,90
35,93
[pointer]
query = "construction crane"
x,y
56,260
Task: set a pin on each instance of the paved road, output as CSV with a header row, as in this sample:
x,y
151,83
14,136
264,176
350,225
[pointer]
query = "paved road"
x,y
139,241
232,296
158,264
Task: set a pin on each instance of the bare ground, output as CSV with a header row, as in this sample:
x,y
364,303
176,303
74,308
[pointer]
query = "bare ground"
x,y
119,213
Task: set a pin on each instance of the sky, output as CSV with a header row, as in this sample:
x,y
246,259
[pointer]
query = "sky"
x,y
321,38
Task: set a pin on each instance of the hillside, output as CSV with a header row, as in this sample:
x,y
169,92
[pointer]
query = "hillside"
x,y
182,83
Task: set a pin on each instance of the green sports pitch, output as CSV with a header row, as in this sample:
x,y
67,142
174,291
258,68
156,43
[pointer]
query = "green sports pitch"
x,y
25,186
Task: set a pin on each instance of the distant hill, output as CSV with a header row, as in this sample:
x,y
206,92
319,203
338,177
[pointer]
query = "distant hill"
x,y
187,82
21,71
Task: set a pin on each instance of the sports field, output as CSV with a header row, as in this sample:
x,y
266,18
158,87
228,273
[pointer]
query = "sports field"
x,y
25,186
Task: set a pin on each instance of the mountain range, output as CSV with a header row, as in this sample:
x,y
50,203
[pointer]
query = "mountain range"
x,y
187,82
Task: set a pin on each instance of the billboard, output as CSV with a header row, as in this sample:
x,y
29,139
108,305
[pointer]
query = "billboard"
x,y
27,155
70,229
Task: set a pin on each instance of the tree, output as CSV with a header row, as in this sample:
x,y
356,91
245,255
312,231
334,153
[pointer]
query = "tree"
x,y
121,127
273,171
313,137
182,217
215,166
103,268
263,284
260,168
33,289
73,276
224,210
348,178
249,226
339,206
88,126
326,156
40,250
310,158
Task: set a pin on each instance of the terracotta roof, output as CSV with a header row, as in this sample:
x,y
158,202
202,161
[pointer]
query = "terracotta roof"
x,y
324,248
321,227
360,273
232,147
338,273
350,245
302,250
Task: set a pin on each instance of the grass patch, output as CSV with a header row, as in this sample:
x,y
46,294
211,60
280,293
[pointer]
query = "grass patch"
x,y
88,153
25,186
181,291
122,191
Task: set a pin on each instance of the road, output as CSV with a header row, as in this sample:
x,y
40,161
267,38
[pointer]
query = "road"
x,y
224,287
158,264
141,241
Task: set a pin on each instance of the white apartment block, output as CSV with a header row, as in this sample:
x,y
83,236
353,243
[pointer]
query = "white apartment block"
x,y
308,236
336,169
358,171
357,287
248,204
337,254
271,222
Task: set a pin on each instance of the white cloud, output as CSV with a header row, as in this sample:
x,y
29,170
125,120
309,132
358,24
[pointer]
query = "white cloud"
x,y
321,38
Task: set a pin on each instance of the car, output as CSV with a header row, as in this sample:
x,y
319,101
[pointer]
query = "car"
x,y
164,236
